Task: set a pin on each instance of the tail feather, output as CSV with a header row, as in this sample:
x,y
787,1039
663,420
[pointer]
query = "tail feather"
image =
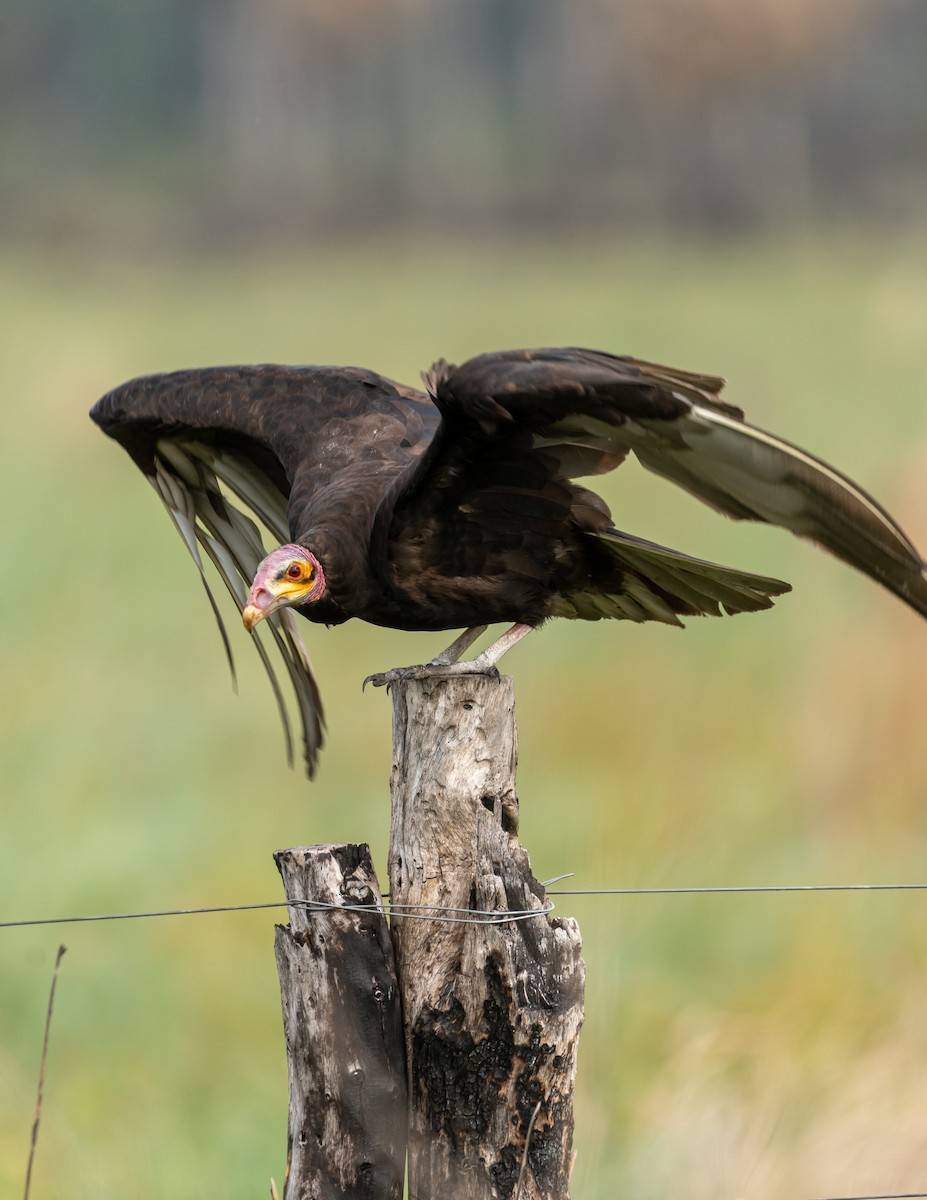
x,y
654,583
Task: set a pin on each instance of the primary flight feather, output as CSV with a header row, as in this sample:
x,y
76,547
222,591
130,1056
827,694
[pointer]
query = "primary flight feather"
x,y
456,508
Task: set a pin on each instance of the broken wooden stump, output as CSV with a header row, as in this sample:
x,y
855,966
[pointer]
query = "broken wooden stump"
x,y
341,1019
492,997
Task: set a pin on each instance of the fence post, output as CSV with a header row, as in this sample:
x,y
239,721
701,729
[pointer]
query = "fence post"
x,y
341,1019
491,1011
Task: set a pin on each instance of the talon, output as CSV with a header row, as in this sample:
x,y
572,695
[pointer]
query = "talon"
x,y
476,666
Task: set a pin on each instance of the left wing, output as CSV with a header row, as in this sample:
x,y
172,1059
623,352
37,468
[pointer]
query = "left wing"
x,y
573,403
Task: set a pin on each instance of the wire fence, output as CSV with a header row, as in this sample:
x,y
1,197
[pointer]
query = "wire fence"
x,y
480,917
472,916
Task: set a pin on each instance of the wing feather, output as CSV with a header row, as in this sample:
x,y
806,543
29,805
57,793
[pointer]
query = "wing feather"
x,y
233,542
248,484
178,502
678,427
747,473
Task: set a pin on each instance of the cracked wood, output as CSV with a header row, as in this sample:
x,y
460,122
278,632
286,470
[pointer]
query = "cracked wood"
x,y
492,1012
343,1031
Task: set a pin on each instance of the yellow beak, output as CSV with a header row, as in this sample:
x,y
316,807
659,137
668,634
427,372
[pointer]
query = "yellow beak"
x,y
251,614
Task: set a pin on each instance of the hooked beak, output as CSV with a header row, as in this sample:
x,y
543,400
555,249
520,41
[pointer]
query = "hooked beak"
x,y
261,603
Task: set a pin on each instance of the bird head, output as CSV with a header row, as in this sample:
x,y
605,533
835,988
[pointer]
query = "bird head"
x,y
287,576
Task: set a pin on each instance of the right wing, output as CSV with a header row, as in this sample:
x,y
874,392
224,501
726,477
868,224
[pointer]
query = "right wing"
x,y
223,447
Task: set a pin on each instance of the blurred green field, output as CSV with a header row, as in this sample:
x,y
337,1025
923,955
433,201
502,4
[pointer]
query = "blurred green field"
x,y
735,1046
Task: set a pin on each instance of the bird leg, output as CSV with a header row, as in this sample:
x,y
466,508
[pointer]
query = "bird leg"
x,y
448,661
456,648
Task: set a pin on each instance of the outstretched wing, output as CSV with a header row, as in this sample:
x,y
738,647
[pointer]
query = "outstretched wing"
x,y
588,409
222,447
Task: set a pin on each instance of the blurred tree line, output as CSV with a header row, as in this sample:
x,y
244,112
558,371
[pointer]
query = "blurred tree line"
x,y
222,117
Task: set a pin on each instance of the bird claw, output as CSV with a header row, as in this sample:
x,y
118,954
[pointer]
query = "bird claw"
x,y
432,670
379,680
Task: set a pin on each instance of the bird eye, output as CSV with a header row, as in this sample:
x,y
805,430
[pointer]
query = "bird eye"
x,y
294,571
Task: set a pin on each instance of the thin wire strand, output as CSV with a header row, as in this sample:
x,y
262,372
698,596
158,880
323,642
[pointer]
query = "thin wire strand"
x,y
472,916
881,1196
416,912
775,887
132,916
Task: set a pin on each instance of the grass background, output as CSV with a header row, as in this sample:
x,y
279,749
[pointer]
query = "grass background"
x,y
738,1046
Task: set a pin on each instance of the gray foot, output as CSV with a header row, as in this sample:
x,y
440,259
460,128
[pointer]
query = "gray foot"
x,y
482,665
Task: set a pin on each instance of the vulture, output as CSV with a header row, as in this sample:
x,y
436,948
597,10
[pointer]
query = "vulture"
x,y
456,507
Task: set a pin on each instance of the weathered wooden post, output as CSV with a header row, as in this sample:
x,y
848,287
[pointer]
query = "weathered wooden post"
x,y
347,1122
492,1006
491,986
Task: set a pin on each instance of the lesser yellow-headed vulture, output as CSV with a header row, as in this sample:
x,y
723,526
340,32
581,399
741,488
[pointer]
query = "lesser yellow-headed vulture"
x,y
455,508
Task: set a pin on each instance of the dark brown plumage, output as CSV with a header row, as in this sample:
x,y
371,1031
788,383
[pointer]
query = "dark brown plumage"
x,y
458,508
